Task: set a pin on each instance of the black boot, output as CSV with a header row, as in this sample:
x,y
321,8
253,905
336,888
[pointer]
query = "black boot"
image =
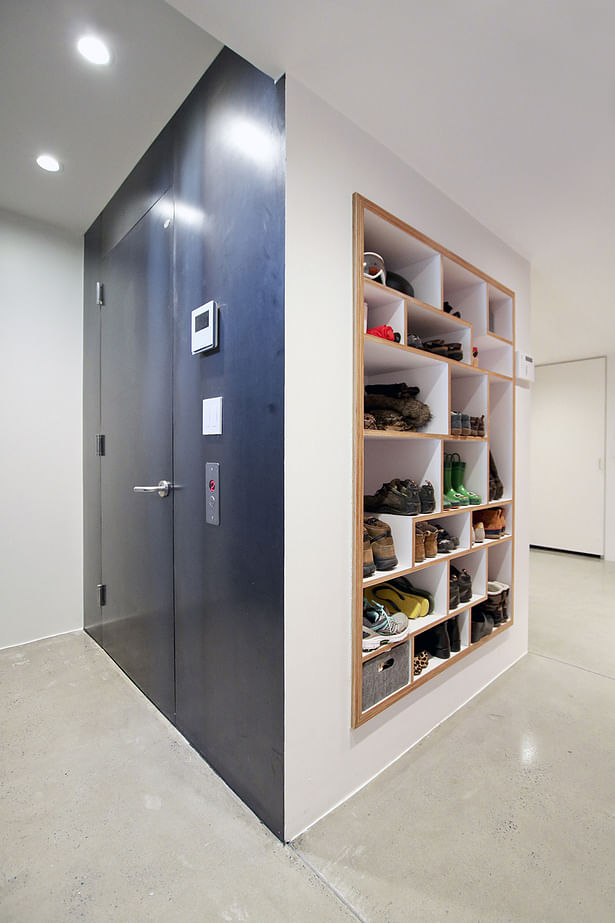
x,y
452,627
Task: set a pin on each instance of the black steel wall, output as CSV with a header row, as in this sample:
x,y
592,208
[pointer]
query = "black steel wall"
x,y
223,155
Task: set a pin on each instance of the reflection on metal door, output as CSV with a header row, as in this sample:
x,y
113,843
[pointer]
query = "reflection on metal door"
x,y
567,456
136,411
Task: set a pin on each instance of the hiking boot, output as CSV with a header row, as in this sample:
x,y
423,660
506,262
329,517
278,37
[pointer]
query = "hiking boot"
x,y
419,547
466,429
464,582
452,627
389,499
391,627
369,567
411,490
455,423
383,548
431,538
445,542
427,497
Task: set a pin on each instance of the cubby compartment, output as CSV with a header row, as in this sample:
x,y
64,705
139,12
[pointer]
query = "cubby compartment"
x,y
500,562
466,293
432,381
428,324
384,309
501,432
457,525
385,674
435,663
475,455
470,393
404,254
500,313
475,562
403,536
494,355
387,457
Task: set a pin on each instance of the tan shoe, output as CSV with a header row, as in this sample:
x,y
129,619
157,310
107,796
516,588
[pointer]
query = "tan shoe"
x,y
369,567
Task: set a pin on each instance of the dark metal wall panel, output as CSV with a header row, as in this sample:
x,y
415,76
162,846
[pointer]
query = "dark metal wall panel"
x,y
229,186
228,176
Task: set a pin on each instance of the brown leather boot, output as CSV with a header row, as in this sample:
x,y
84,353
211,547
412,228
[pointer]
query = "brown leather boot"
x,y
431,538
383,548
369,567
419,547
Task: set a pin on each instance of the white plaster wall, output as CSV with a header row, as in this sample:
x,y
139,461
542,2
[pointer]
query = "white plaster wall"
x,y
328,159
609,478
40,462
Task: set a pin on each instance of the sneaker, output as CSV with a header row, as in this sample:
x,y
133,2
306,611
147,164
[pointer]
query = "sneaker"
x,y
383,548
391,499
391,627
372,640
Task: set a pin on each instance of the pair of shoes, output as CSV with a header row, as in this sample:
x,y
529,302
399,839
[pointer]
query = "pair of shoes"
x,y
482,623
387,626
400,595
454,491
477,426
447,543
441,348
460,424
403,498
378,546
464,584
497,601
493,522
439,641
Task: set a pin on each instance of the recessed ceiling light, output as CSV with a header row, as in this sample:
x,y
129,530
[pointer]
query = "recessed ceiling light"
x,y
93,49
47,162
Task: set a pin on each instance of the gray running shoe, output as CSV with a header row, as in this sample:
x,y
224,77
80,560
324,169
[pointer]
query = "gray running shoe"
x,y
392,627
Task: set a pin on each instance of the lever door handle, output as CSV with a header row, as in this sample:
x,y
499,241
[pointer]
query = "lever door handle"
x,y
162,488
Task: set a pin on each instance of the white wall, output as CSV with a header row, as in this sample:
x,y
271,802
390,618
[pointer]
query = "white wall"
x,y
40,462
609,473
328,159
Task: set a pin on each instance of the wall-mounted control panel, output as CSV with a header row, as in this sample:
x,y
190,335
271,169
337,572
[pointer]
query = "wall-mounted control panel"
x,y
212,416
204,328
524,366
212,493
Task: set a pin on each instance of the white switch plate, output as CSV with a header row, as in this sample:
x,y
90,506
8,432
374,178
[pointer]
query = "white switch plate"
x,y
212,416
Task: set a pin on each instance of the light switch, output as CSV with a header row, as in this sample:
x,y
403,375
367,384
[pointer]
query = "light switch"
x,y
212,416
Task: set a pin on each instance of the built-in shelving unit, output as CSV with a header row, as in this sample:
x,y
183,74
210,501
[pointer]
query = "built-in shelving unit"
x,y
479,385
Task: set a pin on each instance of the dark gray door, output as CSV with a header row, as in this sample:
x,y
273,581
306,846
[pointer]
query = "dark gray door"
x,y
136,413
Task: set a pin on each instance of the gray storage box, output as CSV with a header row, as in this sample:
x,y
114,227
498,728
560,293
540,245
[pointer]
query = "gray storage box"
x,y
386,674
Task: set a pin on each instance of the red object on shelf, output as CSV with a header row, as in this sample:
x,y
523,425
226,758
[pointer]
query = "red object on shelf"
x,y
383,331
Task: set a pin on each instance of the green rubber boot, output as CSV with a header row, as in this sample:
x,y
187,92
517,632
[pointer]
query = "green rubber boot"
x,y
458,468
455,499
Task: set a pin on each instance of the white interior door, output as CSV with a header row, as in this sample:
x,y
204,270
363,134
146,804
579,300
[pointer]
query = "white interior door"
x,y
567,456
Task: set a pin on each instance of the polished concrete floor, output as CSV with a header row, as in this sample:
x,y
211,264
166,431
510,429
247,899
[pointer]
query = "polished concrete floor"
x,y
504,813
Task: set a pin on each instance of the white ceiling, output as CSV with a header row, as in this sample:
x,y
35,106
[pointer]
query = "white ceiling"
x,y
97,121
508,106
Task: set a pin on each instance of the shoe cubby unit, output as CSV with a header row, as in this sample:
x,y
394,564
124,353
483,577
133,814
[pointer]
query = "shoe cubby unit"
x,y
434,410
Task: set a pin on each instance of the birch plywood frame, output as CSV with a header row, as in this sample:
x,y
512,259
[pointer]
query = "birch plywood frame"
x,y
488,321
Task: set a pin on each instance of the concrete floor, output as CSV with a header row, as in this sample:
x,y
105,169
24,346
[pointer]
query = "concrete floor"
x,y
504,813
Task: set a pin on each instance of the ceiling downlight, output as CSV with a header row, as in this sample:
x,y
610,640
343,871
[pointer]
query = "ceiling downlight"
x,y
94,50
48,162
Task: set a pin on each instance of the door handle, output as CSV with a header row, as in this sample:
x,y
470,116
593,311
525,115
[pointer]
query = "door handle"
x,y
162,488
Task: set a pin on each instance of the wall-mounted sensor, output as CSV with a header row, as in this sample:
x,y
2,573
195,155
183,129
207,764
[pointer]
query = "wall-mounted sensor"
x,y
524,366
204,329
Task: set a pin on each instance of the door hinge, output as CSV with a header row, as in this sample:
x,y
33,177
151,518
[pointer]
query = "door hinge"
x,y
101,589
100,443
100,293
